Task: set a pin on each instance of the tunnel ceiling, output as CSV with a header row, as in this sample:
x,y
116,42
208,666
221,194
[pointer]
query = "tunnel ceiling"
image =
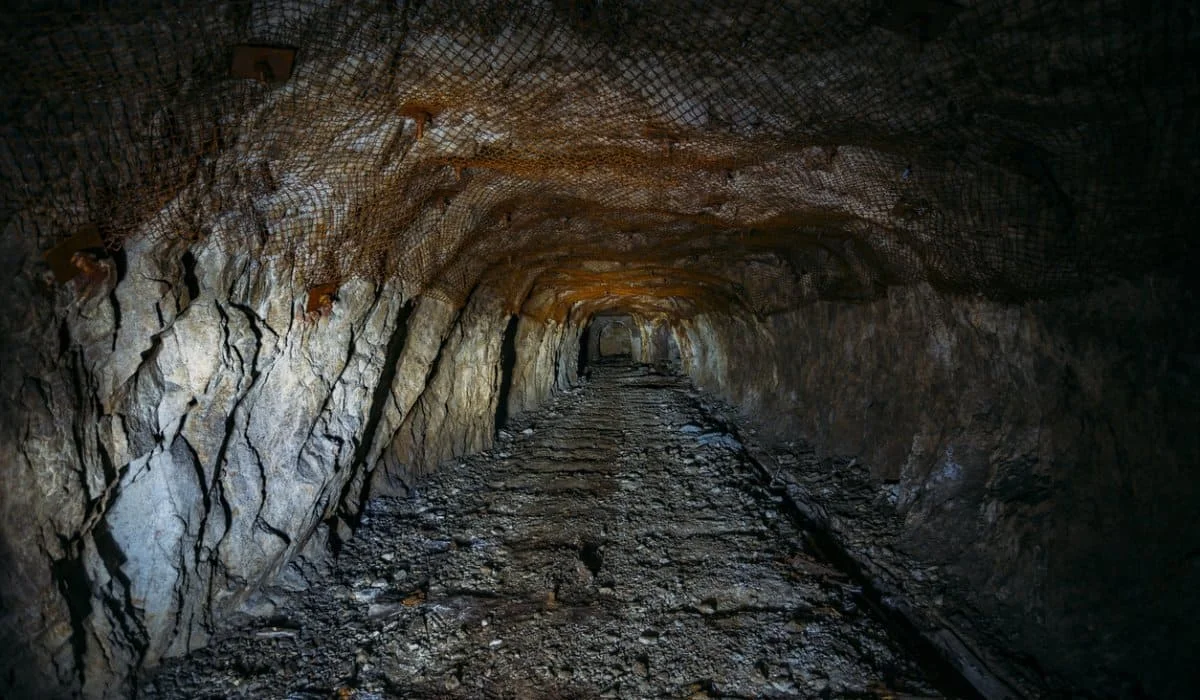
x,y
666,157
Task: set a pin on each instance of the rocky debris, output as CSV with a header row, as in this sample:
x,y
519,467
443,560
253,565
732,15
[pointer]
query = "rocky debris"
x,y
1007,446
861,529
608,553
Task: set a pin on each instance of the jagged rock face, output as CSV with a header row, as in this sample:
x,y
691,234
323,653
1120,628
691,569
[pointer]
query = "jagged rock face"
x,y
213,431
174,445
1040,453
478,182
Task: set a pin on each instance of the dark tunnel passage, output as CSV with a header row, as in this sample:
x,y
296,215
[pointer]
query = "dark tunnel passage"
x,y
574,349
613,338
615,341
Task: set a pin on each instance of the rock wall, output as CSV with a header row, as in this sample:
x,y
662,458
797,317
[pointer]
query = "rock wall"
x,y
1043,455
456,412
168,419
661,347
549,365
177,439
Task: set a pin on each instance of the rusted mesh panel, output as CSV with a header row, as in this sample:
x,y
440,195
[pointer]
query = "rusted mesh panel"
x,y
1013,149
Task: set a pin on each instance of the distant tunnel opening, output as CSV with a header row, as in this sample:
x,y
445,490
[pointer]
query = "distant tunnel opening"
x,y
611,338
615,342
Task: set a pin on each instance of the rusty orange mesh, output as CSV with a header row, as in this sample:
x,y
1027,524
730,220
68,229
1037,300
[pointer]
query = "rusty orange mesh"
x,y
769,153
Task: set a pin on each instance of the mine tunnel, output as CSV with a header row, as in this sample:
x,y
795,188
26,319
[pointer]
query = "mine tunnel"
x,y
611,338
615,341
474,348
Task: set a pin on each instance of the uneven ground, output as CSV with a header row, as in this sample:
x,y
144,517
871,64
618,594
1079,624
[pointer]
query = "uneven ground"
x,y
616,544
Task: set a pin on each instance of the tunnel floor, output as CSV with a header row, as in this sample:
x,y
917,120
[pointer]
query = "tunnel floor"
x,y
616,543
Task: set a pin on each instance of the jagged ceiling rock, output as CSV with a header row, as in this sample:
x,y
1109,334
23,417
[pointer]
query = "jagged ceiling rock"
x,y
833,148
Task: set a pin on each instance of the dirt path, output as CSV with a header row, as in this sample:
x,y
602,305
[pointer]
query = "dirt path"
x,y
614,544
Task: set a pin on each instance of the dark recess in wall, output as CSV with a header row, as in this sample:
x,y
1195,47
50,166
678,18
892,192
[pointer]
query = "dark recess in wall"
x,y
508,360
585,342
392,360
189,276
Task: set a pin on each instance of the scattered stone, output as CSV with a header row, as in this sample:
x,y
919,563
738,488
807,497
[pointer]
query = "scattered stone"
x,y
648,637
725,440
275,633
589,579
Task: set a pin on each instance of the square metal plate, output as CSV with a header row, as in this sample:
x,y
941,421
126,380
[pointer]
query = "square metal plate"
x,y
59,257
315,294
270,64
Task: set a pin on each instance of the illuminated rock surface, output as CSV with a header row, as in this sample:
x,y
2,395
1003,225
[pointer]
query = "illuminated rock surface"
x,y
950,244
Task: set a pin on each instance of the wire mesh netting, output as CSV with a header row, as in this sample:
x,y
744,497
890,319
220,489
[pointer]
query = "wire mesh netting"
x,y
772,152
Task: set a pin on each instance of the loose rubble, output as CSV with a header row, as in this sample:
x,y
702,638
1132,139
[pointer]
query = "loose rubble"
x,y
616,543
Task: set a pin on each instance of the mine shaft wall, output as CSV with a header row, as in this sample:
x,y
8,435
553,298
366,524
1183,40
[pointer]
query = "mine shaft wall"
x,y
168,447
547,361
1043,453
